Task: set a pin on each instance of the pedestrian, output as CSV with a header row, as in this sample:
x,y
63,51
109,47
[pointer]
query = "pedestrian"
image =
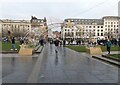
x,y
56,42
108,44
21,40
41,42
13,44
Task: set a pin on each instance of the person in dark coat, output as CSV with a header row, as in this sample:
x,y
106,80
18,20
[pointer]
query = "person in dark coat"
x,y
13,44
56,42
108,44
41,42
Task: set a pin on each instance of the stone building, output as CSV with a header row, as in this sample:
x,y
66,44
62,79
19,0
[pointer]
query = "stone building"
x,y
39,26
17,28
90,28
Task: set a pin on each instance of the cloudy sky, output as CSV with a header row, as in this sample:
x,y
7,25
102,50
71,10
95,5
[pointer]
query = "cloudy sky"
x,y
57,9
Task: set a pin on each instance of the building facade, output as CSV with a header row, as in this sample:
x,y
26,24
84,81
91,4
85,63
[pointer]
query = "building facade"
x,y
0,28
39,26
17,28
90,28
111,24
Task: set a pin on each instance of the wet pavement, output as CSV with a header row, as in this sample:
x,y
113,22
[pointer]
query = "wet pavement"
x,y
72,67
67,66
16,69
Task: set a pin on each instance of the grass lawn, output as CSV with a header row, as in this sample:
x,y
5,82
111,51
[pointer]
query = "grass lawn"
x,y
113,48
77,48
115,55
82,48
7,46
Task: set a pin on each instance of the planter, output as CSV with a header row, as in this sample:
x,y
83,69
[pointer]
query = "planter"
x,y
93,50
25,51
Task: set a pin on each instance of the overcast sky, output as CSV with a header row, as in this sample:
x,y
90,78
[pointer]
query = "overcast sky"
x,y
57,9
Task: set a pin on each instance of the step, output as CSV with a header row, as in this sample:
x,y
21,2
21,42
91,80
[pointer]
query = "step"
x,y
105,56
39,49
107,60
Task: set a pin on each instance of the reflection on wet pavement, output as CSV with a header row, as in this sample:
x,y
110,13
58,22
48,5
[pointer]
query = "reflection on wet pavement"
x,y
73,67
17,69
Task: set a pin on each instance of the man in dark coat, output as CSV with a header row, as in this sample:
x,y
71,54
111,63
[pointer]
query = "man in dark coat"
x,y
56,42
13,44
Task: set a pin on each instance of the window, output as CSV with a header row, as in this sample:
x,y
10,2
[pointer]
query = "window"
x,y
89,26
65,29
105,22
101,30
108,25
101,26
97,34
114,26
111,25
101,34
94,30
117,25
105,25
98,26
111,29
86,26
111,22
72,29
93,26
98,30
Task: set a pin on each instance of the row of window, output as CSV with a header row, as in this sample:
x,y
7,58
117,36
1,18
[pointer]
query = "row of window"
x,y
16,30
71,34
111,29
83,30
15,26
111,22
111,25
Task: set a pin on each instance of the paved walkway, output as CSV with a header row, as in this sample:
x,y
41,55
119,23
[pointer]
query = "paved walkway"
x,y
67,66
72,67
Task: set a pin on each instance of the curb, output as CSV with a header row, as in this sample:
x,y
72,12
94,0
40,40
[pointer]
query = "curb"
x,y
107,61
33,78
118,60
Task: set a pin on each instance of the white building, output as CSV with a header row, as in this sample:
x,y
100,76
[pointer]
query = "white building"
x,y
0,28
16,27
90,28
111,24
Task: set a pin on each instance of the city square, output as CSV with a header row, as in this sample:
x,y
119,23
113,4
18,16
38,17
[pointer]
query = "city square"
x,y
51,50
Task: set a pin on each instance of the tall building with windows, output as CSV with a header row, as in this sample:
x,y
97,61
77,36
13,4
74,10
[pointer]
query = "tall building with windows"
x,y
17,28
0,28
38,26
111,24
91,28
119,16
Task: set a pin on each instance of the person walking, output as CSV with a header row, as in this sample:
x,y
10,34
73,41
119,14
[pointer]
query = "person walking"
x,y
13,44
108,44
41,42
56,42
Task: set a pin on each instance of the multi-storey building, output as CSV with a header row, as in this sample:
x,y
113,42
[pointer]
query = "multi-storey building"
x,y
17,28
111,24
119,16
39,26
0,28
90,28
